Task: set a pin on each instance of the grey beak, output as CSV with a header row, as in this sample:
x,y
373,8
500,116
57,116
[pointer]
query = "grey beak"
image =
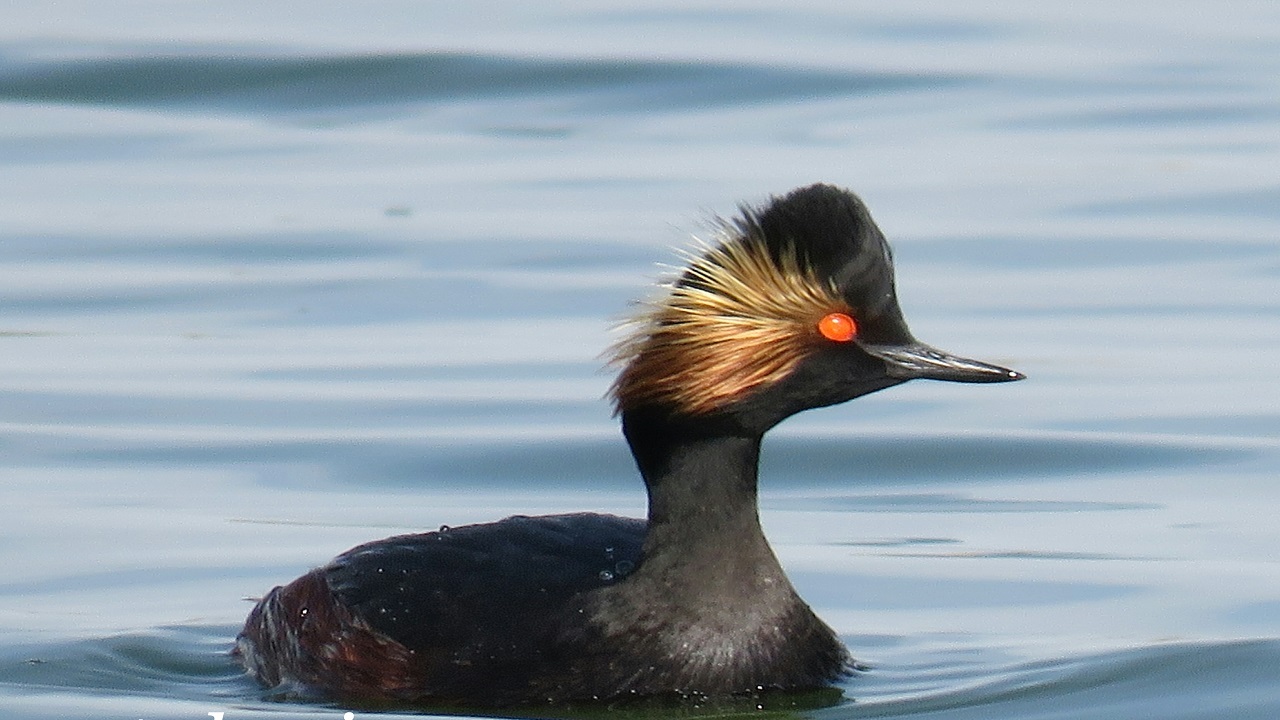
x,y
921,361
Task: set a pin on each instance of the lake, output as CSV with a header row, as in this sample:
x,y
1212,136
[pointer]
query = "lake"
x,y
280,278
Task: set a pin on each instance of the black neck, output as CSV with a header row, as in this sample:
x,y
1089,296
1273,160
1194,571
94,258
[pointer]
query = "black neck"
x,y
703,517
707,571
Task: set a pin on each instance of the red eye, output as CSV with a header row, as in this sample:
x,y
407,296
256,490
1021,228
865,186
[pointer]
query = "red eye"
x,y
838,327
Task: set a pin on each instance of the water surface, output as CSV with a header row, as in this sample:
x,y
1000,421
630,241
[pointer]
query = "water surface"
x,y
276,280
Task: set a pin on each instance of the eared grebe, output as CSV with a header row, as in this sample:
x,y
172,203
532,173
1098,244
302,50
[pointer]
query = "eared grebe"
x,y
794,308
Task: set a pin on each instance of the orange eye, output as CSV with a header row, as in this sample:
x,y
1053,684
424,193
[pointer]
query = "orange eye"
x,y
838,327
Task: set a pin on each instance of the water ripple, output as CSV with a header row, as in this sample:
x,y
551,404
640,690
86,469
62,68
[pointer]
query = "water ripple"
x,y
1231,679
188,660
190,664
285,84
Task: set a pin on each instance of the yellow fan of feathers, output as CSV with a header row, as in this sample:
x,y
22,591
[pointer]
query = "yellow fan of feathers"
x,y
738,319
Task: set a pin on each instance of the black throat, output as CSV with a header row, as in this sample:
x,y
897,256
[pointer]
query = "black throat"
x,y
708,589
704,527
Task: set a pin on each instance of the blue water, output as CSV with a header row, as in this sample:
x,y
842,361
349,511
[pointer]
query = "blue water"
x,y
279,278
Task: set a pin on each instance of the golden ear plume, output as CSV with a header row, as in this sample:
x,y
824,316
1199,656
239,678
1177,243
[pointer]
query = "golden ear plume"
x,y
738,319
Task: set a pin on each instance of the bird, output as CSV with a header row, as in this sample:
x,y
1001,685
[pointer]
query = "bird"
x,y
791,307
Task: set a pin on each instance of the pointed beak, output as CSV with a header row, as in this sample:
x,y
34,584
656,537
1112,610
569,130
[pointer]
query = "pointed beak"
x,y
918,360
